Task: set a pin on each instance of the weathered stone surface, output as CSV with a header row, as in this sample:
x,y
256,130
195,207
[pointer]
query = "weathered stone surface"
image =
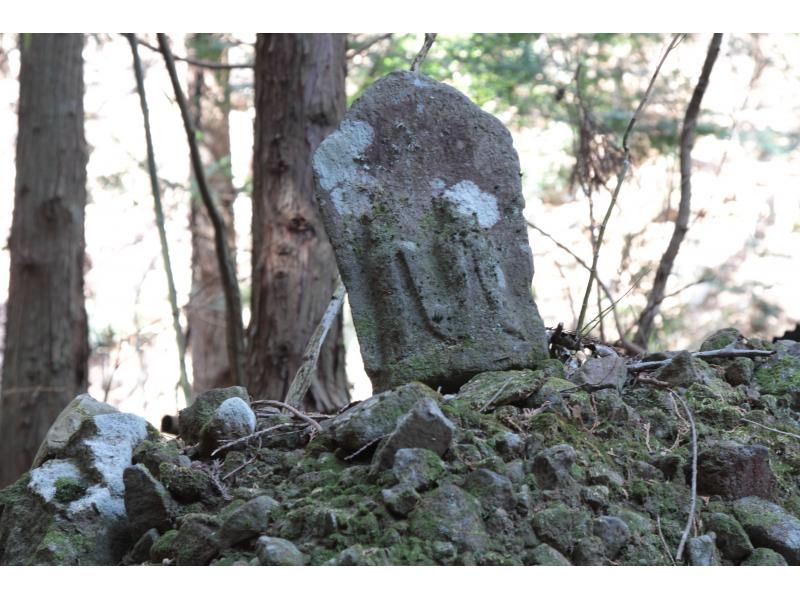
x,y
400,499
193,419
732,540
702,551
740,371
141,550
769,526
734,470
551,466
278,552
501,388
613,532
231,420
186,484
561,527
764,557
371,420
247,521
684,370
449,513
425,426
420,193
604,370
418,468
547,556
729,338
153,453
492,489
147,502
196,542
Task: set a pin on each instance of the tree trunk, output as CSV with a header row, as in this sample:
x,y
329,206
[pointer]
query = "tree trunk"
x,y
47,349
209,97
300,98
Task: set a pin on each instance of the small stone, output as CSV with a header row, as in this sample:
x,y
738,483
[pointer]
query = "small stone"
x,y
515,471
510,446
596,496
740,371
194,418
449,513
400,500
551,466
425,426
417,467
645,471
492,489
684,370
377,417
613,532
248,521
769,526
153,453
196,542
601,371
232,419
186,484
589,551
732,540
279,552
501,388
164,547
764,557
147,502
605,476
561,527
702,551
722,339
733,470
547,556
141,550
444,552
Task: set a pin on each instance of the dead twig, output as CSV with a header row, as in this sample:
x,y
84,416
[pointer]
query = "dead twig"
x,y
620,179
249,437
651,365
238,469
750,421
693,501
302,379
656,295
663,539
423,52
230,286
294,410
494,397
365,447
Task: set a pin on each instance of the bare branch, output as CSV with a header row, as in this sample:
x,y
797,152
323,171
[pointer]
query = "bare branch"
x,y
620,178
423,52
366,45
651,365
230,286
693,500
294,410
656,296
302,379
162,235
750,421
204,64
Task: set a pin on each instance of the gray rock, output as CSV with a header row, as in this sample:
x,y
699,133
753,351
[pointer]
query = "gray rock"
x,y
551,466
231,420
400,500
732,540
248,521
418,468
443,552
420,193
605,476
492,489
147,502
425,426
277,551
193,419
70,509
164,547
596,496
500,388
740,371
702,551
186,484
733,470
370,420
600,371
196,542
769,526
764,557
684,370
450,514
724,338
153,453
547,556
141,550
613,532
589,551
510,446
646,471
561,527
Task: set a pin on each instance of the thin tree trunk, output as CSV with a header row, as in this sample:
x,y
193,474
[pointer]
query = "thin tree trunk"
x,y
209,104
656,296
300,98
47,348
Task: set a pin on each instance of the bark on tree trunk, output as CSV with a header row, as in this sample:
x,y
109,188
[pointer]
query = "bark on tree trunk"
x,y
300,98
209,97
47,348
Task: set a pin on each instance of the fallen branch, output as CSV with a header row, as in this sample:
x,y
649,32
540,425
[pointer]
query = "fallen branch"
x,y
750,421
162,235
249,437
651,365
302,379
693,501
294,410
230,286
372,442
494,397
663,539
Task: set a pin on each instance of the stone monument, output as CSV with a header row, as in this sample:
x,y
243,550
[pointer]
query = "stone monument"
x,y
420,193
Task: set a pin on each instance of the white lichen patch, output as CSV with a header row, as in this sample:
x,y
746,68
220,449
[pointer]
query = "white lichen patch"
x,y
337,165
501,277
469,200
112,446
43,479
437,185
98,500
